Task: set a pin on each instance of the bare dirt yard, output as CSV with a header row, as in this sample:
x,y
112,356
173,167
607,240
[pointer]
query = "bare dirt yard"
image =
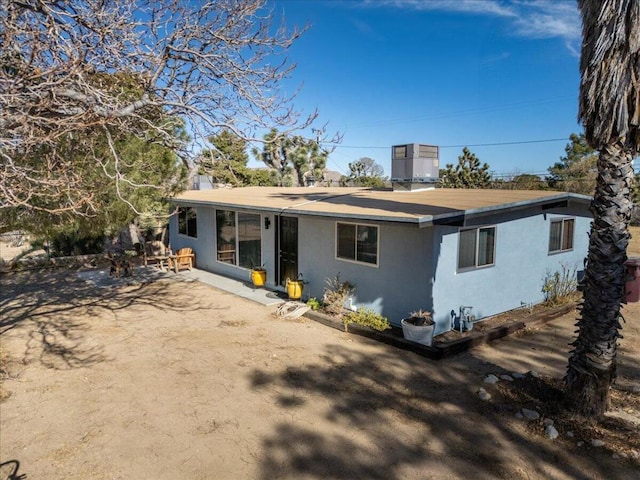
x,y
175,379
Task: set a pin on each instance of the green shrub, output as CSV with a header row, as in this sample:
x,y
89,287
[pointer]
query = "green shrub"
x,y
366,318
314,304
75,243
560,286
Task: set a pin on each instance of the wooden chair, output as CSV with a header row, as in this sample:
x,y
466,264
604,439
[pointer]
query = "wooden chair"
x,y
183,259
227,254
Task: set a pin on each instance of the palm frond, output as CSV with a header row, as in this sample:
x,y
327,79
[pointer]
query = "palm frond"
x,y
610,72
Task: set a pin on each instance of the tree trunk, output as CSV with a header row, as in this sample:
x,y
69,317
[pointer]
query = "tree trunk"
x,y
592,365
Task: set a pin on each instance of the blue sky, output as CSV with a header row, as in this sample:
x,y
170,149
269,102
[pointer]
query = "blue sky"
x,y
451,73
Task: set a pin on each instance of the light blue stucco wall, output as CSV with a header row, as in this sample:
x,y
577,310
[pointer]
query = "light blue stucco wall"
x,y
417,266
205,246
521,263
399,284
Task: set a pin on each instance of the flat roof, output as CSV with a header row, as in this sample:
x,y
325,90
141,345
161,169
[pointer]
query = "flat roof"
x,y
423,207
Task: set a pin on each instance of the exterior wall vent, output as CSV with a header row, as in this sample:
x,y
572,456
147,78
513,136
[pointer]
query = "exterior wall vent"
x,y
414,165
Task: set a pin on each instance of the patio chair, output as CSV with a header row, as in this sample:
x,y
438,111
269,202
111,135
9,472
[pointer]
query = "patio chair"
x,y
183,259
227,254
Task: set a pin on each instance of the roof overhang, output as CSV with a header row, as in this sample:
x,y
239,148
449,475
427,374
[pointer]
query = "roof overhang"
x,y
424,209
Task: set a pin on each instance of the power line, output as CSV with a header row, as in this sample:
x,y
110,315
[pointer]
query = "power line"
x,y
522,142
506,143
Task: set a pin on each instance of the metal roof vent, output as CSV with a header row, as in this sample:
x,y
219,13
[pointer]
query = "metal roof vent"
x,y
414,166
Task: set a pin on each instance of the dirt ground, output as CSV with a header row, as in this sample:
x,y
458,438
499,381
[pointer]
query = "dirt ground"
x,y
175,379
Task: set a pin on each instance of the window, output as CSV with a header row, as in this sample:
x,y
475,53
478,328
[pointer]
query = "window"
x,y
238,238
187,222
476,247
249,240
561,235
358,243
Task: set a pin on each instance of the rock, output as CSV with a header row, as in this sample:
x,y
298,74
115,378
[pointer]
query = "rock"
x,y
551,432
596,442
491,378
517,375
519,415
635,389
569,434
615,456
506,378
484,395
534,374
547,421
530,414
580,444
635,454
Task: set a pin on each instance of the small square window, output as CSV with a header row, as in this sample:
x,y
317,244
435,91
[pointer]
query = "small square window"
x,y
561,235
358,243
476,247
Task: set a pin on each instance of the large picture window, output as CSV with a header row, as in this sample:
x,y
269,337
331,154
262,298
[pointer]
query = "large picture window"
x,y
358,243
238,238
561,235
187,221
476,247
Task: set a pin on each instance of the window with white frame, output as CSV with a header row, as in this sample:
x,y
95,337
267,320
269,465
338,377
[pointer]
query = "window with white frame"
x,y
357,242
238,237
561,235
476,247
187,221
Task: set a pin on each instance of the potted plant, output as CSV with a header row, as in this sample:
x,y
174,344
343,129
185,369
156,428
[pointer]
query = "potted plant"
x,y
294,288
419,327
258,276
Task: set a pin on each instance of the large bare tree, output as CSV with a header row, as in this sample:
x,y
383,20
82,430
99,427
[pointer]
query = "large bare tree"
x,y
610,111
212,65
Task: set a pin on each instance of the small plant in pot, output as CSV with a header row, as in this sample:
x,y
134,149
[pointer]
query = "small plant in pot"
x,y
295,287
419,327
258,276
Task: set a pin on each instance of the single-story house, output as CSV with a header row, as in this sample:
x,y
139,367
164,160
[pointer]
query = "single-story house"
x,y
433,249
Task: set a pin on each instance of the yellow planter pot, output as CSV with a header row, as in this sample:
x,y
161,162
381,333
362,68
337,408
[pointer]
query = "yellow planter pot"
x,y
258,277
294,289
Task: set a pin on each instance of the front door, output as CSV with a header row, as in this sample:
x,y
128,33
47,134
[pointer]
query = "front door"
x,y
288,251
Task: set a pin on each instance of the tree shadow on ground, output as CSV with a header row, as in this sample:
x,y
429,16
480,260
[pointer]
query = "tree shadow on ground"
x,y
396,415
57,306
9,471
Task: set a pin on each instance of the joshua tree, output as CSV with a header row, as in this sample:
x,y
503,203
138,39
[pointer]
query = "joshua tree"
x,y
610,111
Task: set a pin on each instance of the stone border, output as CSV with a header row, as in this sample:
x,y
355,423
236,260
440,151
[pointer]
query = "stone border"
x,y
439,350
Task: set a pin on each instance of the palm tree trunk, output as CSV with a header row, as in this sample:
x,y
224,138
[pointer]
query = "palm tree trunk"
x,y
592,365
